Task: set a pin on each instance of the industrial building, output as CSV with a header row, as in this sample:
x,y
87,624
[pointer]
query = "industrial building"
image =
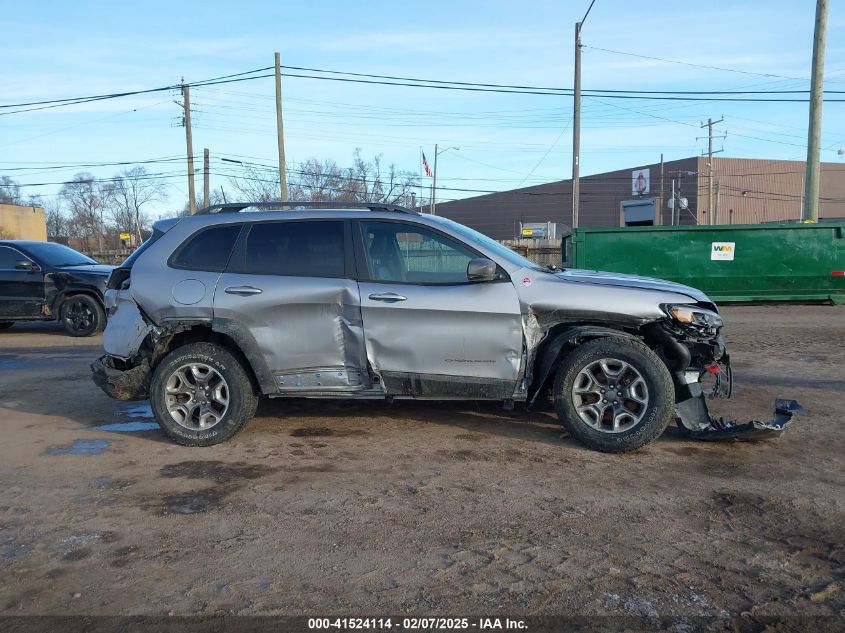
x,y
22,223
736,191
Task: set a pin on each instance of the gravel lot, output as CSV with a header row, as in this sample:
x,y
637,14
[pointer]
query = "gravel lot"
x,y
368,509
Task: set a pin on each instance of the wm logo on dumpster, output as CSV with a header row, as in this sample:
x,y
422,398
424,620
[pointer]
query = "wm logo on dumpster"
x,y
723,251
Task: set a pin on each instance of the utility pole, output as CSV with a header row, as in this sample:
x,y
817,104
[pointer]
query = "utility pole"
x,y
186,121
434,183
576,120
660,199
280,131
710,198
205,161
811,179
674,202
718,198
576,128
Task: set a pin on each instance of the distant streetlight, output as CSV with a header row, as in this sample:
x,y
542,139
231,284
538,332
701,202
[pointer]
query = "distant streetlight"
x,y
437,152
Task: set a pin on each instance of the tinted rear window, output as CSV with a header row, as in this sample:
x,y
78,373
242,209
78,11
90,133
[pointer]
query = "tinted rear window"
x,y
54,254
209,249
301,249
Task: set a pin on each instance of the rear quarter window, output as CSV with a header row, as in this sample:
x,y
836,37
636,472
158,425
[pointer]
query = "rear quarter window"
x,y
209,249
312,248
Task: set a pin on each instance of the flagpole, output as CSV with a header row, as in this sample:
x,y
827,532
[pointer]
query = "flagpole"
x,y
421,177
434,182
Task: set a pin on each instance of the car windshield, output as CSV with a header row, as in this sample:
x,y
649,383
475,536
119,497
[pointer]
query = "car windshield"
x,y
54,254
490,244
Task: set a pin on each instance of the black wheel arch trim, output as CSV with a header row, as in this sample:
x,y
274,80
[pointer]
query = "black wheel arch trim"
x,y
547,360
249,348
70,291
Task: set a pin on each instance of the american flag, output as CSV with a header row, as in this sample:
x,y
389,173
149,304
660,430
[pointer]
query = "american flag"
x,y
425,165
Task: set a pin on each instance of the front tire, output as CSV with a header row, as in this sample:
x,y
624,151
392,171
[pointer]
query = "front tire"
x,y
5,325
201,395
614,394
82,315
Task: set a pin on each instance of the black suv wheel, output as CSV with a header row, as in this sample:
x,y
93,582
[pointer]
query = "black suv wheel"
x,y
6,324
201,395
82,315
614,394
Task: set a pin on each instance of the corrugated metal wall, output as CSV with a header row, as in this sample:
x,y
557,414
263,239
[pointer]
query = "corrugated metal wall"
x,y
750,191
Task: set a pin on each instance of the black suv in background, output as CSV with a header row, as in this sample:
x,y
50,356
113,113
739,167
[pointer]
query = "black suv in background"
x,y
44,281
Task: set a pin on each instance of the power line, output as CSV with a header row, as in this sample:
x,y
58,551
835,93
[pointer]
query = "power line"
x,y
590,8
390,80
685,63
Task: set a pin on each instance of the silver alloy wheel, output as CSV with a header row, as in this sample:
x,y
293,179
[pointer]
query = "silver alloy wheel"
x,y
610,395
196,396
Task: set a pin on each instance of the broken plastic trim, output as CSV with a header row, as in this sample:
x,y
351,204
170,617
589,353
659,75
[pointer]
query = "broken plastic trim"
x,y
122,384
722,429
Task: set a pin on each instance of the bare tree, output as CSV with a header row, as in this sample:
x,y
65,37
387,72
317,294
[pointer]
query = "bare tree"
x,y
256,185
325,181
10,191
320,181
372,185
58,227
84,198
128,194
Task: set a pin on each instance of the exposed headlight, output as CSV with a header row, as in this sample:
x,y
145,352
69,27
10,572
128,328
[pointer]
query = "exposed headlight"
x,y
694,316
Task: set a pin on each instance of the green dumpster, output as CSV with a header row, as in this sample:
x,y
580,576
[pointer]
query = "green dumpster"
x,y
737,262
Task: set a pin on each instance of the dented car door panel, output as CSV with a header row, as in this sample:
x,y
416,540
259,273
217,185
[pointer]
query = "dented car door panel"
x,y
308,330
444,341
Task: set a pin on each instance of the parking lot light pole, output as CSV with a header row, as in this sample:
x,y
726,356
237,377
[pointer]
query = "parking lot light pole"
x,y
437,153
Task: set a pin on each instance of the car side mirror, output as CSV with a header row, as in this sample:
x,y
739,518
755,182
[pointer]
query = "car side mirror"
x,y
26,265
481,269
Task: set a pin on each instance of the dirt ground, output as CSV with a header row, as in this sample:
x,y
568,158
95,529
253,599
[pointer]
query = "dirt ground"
x,y
368,509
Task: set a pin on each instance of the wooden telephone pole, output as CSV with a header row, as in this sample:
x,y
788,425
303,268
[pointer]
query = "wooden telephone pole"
x,y
576,126
810,212
205,161
186,122
710,197
280,131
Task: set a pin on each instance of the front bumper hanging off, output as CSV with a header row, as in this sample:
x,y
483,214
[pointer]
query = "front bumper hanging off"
x,y
696,420
724,429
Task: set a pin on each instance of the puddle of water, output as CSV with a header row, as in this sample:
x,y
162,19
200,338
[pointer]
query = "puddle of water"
x,y
142,410
80,447
128,427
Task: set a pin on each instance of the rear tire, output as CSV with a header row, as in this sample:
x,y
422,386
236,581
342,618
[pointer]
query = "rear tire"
x,y
82,315
5,325
201,395
614,394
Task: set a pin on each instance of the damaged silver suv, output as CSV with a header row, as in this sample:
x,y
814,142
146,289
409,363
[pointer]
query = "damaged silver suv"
x,y
377,301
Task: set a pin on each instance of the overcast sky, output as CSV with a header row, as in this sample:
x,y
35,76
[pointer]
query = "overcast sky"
x,y
67,49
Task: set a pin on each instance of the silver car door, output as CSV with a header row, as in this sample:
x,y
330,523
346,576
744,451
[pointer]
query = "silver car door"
x,y
289,288
429,331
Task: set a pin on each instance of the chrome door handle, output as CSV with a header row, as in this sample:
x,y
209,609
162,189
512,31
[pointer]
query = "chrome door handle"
x,y
387,297
243,290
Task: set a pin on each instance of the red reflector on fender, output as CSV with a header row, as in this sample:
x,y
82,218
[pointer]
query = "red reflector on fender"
x,y
838,273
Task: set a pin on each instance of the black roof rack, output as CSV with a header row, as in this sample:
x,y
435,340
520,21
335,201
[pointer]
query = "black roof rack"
x,y
236,207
